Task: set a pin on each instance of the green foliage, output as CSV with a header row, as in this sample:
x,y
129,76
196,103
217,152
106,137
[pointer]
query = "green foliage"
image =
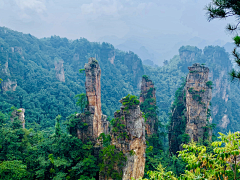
x,y
104,139
30,154
82,101
112,162
223,9
160,174
81,70
119,128
38,90
74,122
178,120
145,77
13,170
130,101
57,126
219,163
209,84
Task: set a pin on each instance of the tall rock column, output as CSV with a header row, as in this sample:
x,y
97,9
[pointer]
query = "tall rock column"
x,y
198,97
148,104
190,110
133,145
96,120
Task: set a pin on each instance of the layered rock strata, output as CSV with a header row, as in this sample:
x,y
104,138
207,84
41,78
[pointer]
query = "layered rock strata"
x,y
134,144
148,102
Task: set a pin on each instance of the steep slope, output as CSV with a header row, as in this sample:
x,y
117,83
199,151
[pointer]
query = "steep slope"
x,y
34,70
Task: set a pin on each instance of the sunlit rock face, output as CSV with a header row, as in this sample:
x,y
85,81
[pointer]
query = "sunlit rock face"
x,y
134,145
148,92
97,122
59,70
20,114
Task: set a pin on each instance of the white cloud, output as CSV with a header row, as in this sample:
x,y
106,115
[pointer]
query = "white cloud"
x,y
115,8
35,5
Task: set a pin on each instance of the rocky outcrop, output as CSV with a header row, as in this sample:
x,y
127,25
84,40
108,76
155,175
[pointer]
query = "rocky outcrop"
x,y
217,59
148,104
19,113
198,97
133,144
96,123
8,84
59,70
190,110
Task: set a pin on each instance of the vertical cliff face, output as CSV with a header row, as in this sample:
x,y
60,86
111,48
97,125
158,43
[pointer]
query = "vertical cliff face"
x,y
190,110
148,104
198,97
19,113
59,71
133,143
217,59
92,122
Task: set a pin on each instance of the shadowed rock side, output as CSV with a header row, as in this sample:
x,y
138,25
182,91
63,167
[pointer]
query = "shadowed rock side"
x,y
190,111
59,70
178,121
134,145
148,102
19,113
96,122
198,97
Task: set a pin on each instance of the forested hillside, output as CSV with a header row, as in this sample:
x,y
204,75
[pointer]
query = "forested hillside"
x,y
226,94
42,75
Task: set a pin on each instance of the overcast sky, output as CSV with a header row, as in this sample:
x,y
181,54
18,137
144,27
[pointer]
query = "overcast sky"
x,y
159,25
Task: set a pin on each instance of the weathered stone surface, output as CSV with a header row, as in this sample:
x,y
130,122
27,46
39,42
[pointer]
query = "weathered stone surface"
x,y
135,145
148,92
198,97
96,122
59,70
19,113
190,113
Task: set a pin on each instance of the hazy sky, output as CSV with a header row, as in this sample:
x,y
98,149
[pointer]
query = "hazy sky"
x,y
157,24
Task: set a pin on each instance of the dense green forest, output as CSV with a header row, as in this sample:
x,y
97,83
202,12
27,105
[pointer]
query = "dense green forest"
x,y
31,64
47,150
